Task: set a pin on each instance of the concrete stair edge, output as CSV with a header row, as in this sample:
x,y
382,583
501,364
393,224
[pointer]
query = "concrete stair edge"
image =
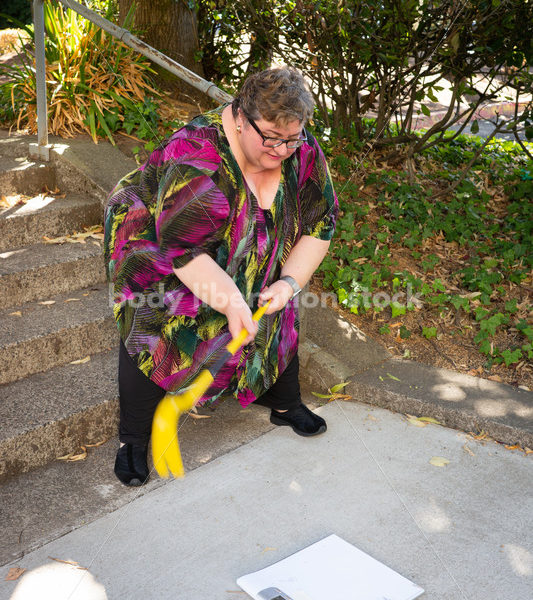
x,y
454,399
47,414
26,274
102,165
15,176
22,226
38,337
80,165
71,405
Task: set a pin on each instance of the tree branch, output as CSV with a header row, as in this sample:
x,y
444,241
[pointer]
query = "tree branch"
x,y
464,172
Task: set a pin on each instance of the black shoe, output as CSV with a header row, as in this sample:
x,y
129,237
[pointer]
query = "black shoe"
x,y
301,419
131,465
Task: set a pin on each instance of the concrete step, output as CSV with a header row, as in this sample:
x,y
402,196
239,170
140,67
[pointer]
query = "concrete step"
x,y
45,215
25,176
77,165
35,272
14,144
36,337
50,414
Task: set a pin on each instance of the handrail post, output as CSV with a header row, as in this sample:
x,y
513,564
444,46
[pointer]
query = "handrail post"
x,y
41,149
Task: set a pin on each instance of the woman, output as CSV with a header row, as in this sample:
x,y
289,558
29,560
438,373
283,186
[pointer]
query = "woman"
x,y
234,209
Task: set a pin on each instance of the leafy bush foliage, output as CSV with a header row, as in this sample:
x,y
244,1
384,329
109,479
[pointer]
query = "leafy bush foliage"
x,y
386,57
15,9
466,260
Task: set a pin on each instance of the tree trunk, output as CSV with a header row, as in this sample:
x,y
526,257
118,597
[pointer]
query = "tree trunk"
x,y
170,27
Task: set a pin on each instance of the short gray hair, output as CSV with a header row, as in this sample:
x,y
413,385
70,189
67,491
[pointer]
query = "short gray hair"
x,y
279,95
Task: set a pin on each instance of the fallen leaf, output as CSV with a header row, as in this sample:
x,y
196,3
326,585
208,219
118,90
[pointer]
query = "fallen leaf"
x,y
95,229
17,313
513,447
77,457
54,192
14,573
81,361
72,563
71,457
199,416
72,300
338,387
268,549
429,420
439,461
78,237
66,456
321,395
11,201
467,449
392,377
528,451
495,378
47,302
340,397
476,372
482,435
57,240
415,421
96,444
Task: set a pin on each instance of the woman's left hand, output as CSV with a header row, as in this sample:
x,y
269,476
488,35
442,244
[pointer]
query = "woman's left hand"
x,y
280,292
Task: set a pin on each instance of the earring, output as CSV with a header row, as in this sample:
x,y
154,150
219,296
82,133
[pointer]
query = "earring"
x,y
238,128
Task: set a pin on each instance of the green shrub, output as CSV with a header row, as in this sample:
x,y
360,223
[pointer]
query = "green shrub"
x,y
95,84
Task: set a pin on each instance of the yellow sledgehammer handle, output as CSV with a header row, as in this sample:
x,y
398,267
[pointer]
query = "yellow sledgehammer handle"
x,y
165,446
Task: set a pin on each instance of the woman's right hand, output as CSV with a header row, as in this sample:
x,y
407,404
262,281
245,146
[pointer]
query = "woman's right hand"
x,y
239,316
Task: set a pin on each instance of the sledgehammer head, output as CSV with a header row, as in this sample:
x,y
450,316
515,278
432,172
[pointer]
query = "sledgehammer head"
x,y
165,445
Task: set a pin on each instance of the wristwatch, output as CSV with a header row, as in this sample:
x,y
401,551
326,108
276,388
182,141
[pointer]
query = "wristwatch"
x,y
296,289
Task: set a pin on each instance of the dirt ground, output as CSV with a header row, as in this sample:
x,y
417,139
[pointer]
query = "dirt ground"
x,y
452,349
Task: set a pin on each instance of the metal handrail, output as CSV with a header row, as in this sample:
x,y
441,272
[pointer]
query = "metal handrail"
x,y
41,148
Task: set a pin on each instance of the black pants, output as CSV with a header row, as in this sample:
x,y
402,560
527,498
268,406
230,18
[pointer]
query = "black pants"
x,y
139,397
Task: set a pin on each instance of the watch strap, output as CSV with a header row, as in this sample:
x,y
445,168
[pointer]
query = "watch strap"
x,y
296,289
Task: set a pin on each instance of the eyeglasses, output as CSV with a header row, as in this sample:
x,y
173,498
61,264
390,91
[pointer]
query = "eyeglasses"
x,y
271,142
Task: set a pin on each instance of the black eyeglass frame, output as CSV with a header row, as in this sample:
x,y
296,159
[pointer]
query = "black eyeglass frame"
x,y
296,143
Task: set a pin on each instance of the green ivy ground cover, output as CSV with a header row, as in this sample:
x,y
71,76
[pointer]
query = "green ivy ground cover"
x,y
451,266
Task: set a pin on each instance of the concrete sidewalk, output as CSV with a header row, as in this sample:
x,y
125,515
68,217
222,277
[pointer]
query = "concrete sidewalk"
x,y
460,531
334,351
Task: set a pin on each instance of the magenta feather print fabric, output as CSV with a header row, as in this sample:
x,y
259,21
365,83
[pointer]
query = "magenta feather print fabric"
x,y
190,198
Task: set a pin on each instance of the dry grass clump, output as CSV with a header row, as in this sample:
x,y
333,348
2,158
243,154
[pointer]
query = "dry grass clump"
x,y
92,80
